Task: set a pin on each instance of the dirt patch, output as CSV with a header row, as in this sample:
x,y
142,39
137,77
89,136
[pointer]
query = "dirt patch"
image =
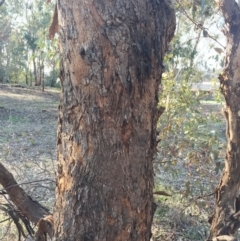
x,y
28,125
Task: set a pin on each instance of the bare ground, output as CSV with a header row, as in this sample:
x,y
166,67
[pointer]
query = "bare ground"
x,y
28,124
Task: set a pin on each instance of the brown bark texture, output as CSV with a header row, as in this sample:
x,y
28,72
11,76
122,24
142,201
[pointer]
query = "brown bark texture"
x,y
112,54
29,208
226,217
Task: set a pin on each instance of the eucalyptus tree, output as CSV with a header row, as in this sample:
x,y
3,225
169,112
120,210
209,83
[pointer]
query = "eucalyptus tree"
x,y
112,61
5,31
37,20
225,220
24,42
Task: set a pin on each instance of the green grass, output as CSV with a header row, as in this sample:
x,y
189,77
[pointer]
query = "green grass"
x,y
15,120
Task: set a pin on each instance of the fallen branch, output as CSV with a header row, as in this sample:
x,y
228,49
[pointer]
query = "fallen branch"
x,y
162,193
224,238
29,208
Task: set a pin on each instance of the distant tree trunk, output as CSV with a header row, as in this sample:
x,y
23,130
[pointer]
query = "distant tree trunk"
x,y
226,218
26,76
2,2
42,70
43,84
35,72
112,54
31,79
39,71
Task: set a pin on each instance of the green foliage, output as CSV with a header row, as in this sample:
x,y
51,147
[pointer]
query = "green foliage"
x,y
26,53
5,30
192,131
31,40
51,79
191,134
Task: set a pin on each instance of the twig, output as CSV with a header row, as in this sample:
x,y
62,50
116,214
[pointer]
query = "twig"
x,y
197,198
6,232
198,25
23,183
159,162
7,219
162,193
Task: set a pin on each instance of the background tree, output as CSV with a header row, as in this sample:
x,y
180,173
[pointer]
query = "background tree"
x,y
112,54
225,220
26,52
191,152
187,66
4,36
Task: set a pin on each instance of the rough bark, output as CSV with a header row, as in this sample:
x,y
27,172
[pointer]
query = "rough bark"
x,y
112,53
226,217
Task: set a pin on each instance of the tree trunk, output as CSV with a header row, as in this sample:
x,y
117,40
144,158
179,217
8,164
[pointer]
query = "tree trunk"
x,y
226,218
35,71
43,84
42,70
26,76
2,2
112,53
